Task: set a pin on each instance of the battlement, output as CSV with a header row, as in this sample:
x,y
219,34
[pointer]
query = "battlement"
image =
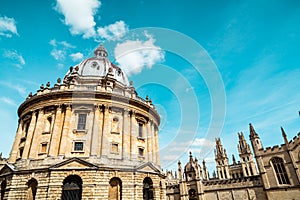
x,y
217,184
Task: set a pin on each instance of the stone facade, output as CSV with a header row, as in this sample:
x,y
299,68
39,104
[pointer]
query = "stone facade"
x,y
277,176
90,136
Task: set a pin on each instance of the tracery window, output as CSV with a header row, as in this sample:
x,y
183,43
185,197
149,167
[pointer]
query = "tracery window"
x,y
192,194
280,170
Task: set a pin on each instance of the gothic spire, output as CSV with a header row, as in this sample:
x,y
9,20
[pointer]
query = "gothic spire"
x,y
284,136
253,133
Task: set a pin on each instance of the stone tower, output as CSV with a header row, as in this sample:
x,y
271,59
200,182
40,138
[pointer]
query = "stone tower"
x,y
88,136
246,157
221,160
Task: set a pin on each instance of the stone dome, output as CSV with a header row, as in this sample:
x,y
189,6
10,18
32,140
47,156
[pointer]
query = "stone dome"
x,y
99,66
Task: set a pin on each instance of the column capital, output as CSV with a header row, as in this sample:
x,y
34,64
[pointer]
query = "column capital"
x,y
68,106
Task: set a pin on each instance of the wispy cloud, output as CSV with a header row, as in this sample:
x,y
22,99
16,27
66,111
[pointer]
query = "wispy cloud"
x,y
60,49
8,27
8,101
134,55
17,58
76,56
20,89
113,31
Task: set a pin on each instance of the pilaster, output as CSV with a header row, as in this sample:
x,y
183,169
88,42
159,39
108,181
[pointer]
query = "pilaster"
x,y
95,131
29,136
34,149
56,134
126,134
64,141
15,149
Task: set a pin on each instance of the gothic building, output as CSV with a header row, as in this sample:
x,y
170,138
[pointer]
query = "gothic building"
x,y
90,136
277,176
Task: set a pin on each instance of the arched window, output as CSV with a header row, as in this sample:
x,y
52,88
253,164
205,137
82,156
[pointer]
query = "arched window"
x,y
280,171
32,188
148,191
115,189
3,188
192,194
72,188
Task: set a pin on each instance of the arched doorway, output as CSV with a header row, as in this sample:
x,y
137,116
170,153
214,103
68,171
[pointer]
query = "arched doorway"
x,y
32,188
148,191
3,188
72,188
192,194
115,189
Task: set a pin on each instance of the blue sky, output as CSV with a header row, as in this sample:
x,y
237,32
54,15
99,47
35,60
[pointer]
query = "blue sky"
x,y
196,54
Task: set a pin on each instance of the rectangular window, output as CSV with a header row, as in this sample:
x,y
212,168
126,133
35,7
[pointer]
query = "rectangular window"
x,y
141,152
140,130
78,146
81,121
44,148
114,148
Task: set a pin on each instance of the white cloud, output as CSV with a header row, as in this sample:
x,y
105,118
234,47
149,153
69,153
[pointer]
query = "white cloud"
x,y
7,27
8,101
58,54
60,49
14,56
113,31
79,15
76,56
134,55
65,44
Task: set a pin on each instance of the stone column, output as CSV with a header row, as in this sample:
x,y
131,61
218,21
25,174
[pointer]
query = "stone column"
x,y
56,134
153,143
29,136
126,134
15,149
95,132
105,146
157,146
34,149
64,141
134,135
100,131
149,141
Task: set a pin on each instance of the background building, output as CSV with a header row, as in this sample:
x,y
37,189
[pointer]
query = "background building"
x,y
88,136
277,176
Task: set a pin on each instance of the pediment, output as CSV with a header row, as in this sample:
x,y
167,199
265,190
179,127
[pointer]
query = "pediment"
x,y
7,169
148,167
74,163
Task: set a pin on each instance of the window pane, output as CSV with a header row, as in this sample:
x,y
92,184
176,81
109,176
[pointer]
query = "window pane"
x,y
78,146
140,130
81,121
